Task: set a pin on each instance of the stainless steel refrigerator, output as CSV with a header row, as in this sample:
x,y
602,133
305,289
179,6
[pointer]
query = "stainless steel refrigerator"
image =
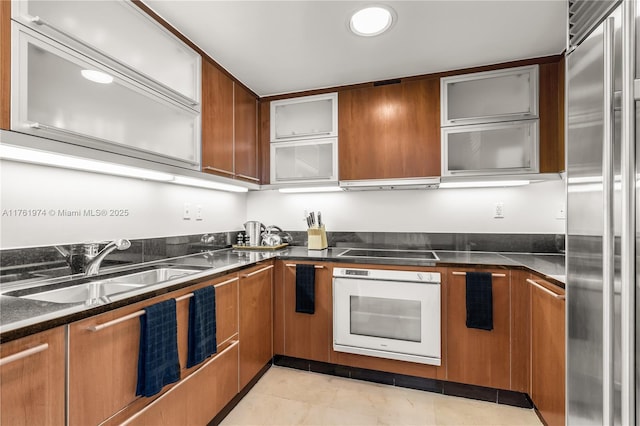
x,y
602,214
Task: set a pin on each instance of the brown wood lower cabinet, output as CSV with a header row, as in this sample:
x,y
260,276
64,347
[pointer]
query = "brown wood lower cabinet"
x,y
478,357
302,335
197,399
32,377
103,364
548,351
256,320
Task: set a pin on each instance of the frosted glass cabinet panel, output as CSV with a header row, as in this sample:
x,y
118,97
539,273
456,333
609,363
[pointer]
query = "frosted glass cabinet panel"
x,y
492,96
304,118
129,40
51,98
304,161
510,147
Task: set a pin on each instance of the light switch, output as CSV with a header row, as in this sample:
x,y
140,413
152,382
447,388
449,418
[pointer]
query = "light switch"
x,y
186,213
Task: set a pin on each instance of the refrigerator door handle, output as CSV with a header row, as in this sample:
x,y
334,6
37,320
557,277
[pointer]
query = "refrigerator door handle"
x,y
608,226
628,226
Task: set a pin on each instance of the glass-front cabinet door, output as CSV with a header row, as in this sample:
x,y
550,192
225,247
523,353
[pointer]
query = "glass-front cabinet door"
x,y
498,148
492,96
304,161
53,97
124,37
304,118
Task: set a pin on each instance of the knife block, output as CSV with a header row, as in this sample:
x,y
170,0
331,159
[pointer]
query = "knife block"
x,y
317,238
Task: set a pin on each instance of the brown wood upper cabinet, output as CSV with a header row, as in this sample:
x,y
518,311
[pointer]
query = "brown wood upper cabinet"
x,y
32,374
390,131
229,126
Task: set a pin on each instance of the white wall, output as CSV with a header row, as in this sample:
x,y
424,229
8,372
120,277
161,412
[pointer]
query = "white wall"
x,y
527,209
155,209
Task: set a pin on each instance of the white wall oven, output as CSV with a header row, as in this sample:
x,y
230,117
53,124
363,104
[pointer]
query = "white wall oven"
x,y
387,314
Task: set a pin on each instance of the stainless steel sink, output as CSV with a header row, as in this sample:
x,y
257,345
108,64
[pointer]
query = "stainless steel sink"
x,y
82,293
153,276
90,292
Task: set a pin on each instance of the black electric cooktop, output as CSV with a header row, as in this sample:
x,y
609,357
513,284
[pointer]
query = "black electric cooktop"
x,y
390,254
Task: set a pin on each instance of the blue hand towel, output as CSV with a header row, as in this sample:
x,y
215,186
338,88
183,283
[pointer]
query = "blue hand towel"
x,y
158,363
202,326
479,300
305,289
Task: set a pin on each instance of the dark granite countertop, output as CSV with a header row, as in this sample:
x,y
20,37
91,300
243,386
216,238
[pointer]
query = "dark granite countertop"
x,y
20,317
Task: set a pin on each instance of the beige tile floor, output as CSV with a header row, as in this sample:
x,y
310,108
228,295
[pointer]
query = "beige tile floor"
x,y
285,396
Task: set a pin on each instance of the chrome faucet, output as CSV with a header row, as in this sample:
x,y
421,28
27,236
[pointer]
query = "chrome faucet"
x,y
94,259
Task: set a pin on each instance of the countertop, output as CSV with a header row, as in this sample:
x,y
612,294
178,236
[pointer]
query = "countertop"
x,y
20,317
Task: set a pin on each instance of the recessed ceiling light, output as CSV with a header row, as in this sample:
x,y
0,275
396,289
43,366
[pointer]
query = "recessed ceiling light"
x,y
97,76
372,20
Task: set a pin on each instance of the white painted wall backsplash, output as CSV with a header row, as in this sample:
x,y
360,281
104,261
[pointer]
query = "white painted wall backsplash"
x,y
154,209
527,209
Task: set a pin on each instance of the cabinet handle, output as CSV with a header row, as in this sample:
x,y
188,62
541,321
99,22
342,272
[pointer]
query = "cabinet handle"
x,y
46,127
226,282
168,91
546,290
248,177
257,272
108,324
23,354
214,169
291,265
493,275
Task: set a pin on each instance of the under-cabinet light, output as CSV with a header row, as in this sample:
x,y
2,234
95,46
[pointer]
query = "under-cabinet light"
x,y
310,189
97,76
32,156
484,184
203,183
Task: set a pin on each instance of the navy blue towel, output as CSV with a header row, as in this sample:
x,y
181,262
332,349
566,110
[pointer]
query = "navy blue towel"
x,y
305,289
479,300
202,326
158,363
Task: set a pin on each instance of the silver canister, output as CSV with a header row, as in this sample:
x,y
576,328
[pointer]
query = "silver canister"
x,y
253,229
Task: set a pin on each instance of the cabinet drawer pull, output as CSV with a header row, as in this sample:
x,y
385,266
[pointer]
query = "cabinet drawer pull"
x,y
214,169
175,95
292,265
248,177
493,275
108,324
23,354
257,272
546,290
226,282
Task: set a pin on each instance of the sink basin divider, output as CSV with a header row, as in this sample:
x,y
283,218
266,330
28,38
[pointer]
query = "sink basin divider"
x,y
141,312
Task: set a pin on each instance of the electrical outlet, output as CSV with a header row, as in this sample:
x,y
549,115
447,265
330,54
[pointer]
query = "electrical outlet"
x,y
561,214
198,212
499,210
186,212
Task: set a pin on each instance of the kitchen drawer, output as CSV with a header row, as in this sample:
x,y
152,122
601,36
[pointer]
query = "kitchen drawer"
x,y
32,378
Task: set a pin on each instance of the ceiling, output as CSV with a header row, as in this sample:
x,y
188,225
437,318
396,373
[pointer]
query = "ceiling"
x,y
276,47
